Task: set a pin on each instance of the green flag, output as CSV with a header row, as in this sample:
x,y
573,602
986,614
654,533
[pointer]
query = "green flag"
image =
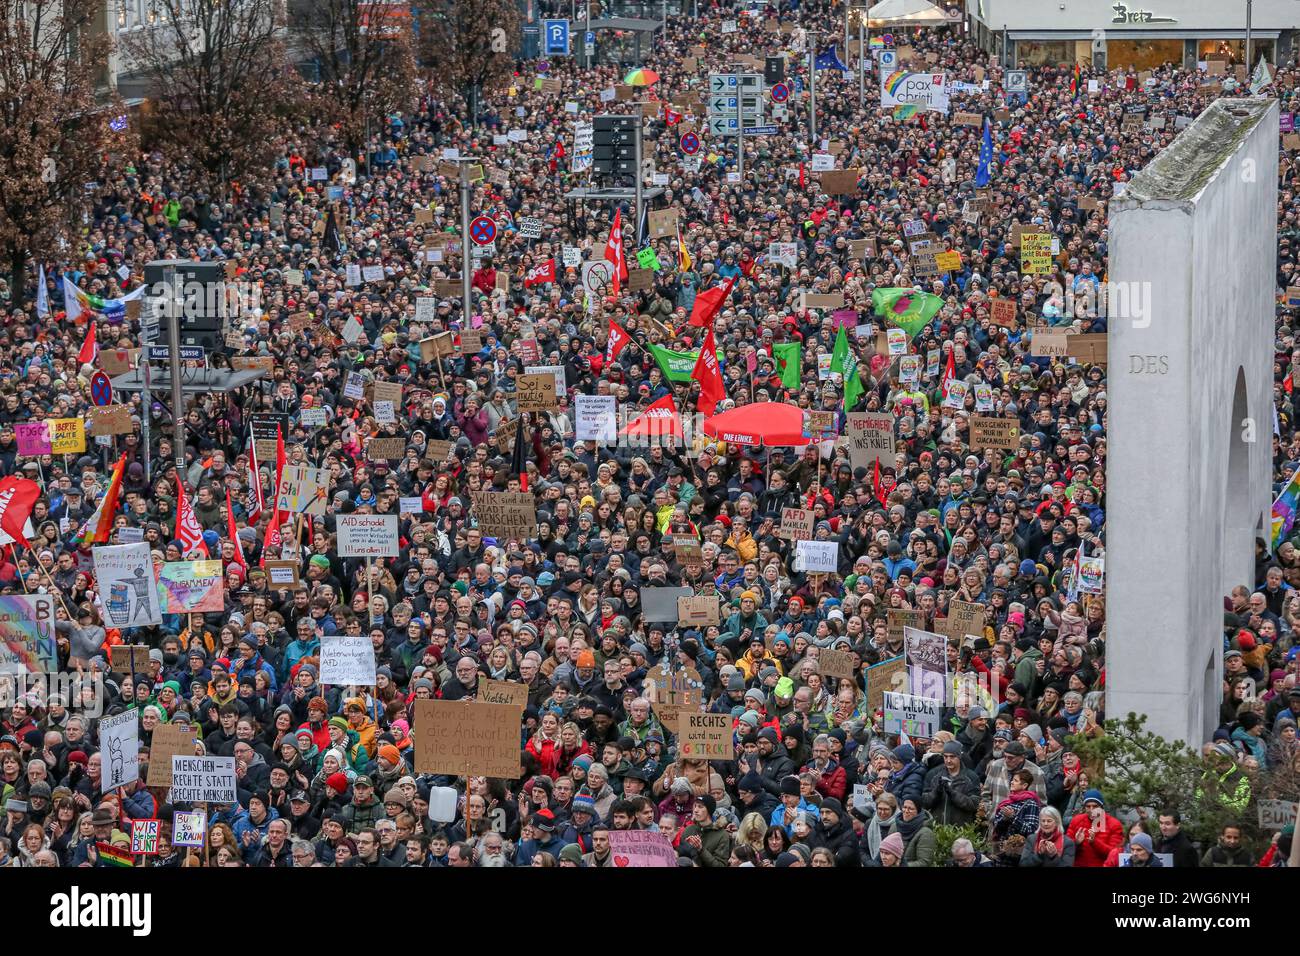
x,y
852,381
908,309
789,359
841,352
647,259
676,366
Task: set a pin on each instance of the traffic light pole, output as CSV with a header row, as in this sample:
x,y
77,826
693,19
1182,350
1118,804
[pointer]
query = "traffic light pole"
x,y
740,132
174,361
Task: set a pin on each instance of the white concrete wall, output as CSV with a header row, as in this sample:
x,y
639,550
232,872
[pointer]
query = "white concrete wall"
x,y
1200,226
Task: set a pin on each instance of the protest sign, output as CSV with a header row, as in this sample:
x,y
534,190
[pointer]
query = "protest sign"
x,y
870,438
688,550
817,557
1276,814
303,489
506,514
264,424
193,586
899,618
144,837
27,635
110,420
507,692
660,604
119,740
1049,344
189,828
964,617
168,741
817,300
885,676
818,425
347,659
796,524
283,574
837,664
663,223
116,361
127,587
536,392
595,418
927,662
911,715
128,658
202,779
385,449
987,431
1088,348
698,612
636,848
1035,253
33,438
367,536
67,435
704,736
672,692
465,737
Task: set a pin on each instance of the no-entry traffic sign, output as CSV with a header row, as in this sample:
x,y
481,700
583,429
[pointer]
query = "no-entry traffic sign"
x,y
482,230
690,143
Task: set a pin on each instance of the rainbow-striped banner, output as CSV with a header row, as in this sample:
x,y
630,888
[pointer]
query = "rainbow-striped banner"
x,y
27,637
77,301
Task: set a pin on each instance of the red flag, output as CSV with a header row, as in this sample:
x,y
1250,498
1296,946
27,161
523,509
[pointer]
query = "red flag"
x,y
876,487
540,274
618,340
949,373
709,375
671,116
234,533
188,531
17,499
709,303
273,533
89,347
660,420
614,250
803,177
256,501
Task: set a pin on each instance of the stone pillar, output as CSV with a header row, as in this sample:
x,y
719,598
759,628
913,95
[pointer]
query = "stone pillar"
x,y
1193,247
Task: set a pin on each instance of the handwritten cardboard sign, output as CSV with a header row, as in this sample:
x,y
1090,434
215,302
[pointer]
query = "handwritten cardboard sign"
x,y
535,392
697,612
462,738
987,431
510,693
169,740
870,438
837,664
506,514
704,736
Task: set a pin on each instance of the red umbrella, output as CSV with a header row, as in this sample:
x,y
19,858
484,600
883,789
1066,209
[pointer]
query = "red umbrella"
x,y
763,423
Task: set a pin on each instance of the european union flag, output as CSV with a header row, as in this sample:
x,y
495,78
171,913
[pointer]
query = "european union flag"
x,y
986,156
829,60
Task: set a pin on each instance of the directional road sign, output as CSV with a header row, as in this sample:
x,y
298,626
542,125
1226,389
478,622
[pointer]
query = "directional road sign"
x,y
723,125
722,82
723,104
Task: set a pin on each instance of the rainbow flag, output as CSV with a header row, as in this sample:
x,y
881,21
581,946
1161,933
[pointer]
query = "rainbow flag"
x,y
905,111
113,310
1284,509
100,524
876,43
112,855
1076,81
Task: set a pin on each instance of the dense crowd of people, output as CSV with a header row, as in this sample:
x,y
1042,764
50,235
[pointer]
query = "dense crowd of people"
x,y
328,775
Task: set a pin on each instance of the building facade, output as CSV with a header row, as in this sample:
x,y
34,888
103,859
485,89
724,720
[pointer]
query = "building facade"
x,y
1132,34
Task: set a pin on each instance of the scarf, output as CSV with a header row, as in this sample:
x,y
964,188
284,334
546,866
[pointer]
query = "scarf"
x,y
1057,840
907,828
876,832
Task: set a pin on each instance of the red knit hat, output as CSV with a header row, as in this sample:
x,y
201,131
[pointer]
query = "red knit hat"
x,y
338,782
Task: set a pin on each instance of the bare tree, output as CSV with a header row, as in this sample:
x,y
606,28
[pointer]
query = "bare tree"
x,y
470,45
222,77
53,130
362,50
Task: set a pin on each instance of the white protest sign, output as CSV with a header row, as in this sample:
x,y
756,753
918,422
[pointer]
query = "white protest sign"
x,y
914,716
367,536
313,417
530,228
411,506
119,739
203,780
347,659
373,273
596,418
127,587
817,557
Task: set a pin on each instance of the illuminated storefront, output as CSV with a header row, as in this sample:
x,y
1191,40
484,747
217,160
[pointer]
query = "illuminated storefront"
x,y
1137,35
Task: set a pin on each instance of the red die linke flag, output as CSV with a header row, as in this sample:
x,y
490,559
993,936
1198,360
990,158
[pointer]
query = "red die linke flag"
x,y
660,420
17,499
709,375
540,274
709,303
614,250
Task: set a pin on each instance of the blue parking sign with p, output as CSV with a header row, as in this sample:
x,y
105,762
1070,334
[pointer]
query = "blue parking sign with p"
x,y
557,37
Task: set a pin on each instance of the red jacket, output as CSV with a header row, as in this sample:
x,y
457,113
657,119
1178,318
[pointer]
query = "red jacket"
x,y
832,782
1093,852
547,755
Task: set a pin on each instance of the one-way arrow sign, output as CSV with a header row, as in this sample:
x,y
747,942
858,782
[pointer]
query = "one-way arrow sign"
x,y
723,125
720,104
721,81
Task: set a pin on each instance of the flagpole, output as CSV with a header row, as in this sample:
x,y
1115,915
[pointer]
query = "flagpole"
x,y
13,551
57,593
